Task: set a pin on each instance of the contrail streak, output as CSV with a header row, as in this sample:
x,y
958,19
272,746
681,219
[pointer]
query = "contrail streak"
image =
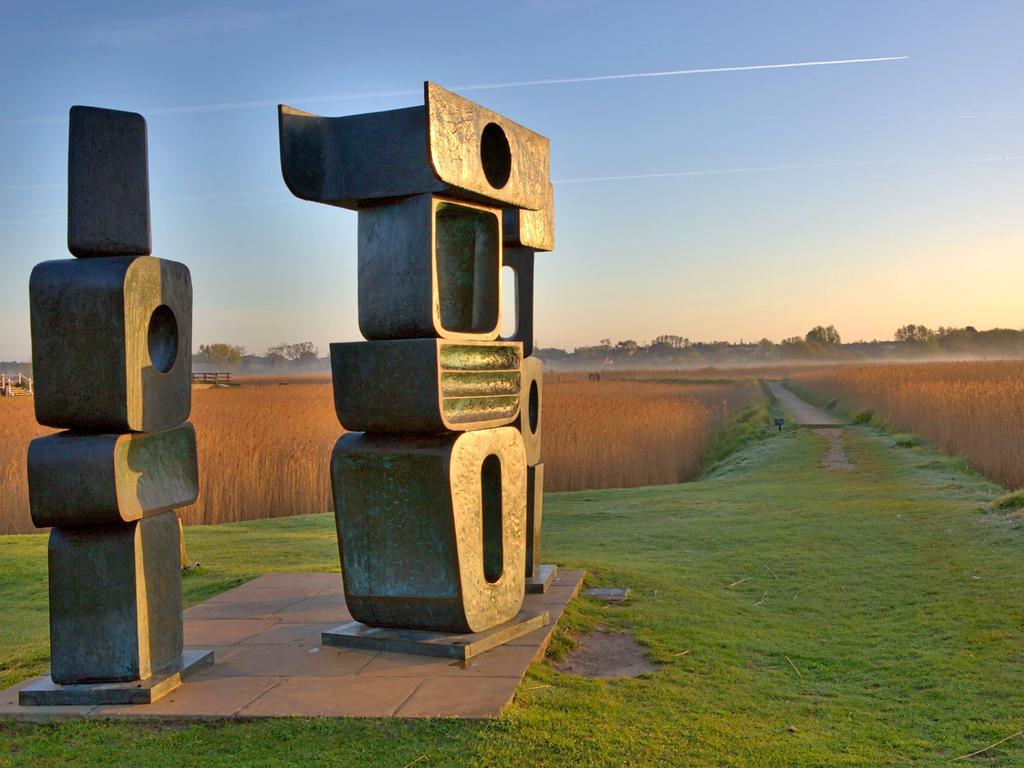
x,y
233,105
675,72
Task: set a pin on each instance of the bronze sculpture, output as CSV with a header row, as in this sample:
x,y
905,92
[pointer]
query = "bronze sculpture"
x,y
111,341
438,485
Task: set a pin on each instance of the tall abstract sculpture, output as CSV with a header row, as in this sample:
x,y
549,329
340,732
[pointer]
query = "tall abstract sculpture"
x,y
111,341
438,483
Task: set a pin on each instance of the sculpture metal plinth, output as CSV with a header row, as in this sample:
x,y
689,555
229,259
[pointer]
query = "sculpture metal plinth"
x,y
448,645
111,358
438,485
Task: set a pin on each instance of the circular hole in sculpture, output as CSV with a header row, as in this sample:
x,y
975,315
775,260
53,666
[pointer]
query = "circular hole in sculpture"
x,y
534,406
495,155
163,338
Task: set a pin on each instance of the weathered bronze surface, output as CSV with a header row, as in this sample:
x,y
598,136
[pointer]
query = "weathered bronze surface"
x,y
534,517
532,229
431,498
529,420
108,184
99,479
429,267
111,352
431,529
111,341
450,145
115,600
449,645
520,261
425,385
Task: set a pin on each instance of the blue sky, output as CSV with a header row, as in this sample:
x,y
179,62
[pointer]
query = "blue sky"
x,y
900,196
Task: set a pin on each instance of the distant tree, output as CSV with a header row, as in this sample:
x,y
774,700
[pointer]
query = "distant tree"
x,y
765,348
606,342
916,334
220,354
629,346
668,340
792,341
301,353
821,335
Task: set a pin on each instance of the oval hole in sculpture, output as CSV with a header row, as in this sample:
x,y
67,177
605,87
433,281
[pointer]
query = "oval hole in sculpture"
x,y
490,502
534,406
495,155
163,338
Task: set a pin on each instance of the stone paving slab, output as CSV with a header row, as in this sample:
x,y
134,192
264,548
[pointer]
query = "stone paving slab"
x,y
269,662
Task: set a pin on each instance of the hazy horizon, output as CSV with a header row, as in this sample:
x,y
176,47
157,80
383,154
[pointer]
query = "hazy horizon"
x,y
713,205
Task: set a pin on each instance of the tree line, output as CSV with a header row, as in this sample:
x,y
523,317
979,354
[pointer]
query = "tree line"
x,y
819,343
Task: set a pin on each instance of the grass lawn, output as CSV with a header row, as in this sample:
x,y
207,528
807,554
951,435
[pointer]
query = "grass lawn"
x,y
829,618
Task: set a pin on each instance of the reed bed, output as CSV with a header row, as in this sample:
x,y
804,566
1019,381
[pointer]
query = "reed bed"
x,y
18,428
624,434
264,448
972,409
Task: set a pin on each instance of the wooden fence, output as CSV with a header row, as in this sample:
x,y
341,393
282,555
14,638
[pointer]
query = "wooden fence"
x,y
223,377
15,385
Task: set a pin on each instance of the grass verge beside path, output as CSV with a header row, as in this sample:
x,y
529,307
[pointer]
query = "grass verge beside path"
x,y
803,617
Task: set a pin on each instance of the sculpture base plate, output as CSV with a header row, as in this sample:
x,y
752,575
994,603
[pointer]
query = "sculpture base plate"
x,y
450,645
538,585
45,692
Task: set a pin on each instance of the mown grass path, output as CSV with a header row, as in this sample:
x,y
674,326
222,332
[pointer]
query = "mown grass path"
x,y
803,616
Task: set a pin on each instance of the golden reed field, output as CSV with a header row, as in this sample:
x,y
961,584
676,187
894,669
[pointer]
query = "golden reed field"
x,y
971,409
264,448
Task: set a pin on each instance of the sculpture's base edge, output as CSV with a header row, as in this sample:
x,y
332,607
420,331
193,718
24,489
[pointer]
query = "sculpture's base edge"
x,y
46,693
451,645
538,585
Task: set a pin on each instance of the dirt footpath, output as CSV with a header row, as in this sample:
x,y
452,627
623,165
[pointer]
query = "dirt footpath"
x,y
804,414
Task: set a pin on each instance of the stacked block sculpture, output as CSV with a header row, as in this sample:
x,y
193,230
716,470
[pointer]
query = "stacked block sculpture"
x,y
438,482
111,357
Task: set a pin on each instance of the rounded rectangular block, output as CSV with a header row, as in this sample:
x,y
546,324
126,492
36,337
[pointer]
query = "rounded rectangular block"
x,y
521,261
534,518
431,528
429,267
108,183
115,600
425,385
532,229
449,145
111,343
529,420
96,479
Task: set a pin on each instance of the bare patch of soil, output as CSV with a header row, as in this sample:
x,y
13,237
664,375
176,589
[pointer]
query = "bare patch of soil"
x,y
835,457
606,654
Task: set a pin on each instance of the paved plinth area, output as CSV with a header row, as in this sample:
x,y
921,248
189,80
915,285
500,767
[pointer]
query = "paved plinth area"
x,y
270,663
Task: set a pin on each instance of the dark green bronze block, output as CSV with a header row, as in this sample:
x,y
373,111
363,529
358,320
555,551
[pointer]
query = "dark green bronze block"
x,y
425,385
115,600
79,479
529,420
429,267
432,528
534,517
449,145
108,183
111,343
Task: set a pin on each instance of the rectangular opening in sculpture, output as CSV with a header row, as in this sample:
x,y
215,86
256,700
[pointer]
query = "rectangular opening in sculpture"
x,y
490,490
467,253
